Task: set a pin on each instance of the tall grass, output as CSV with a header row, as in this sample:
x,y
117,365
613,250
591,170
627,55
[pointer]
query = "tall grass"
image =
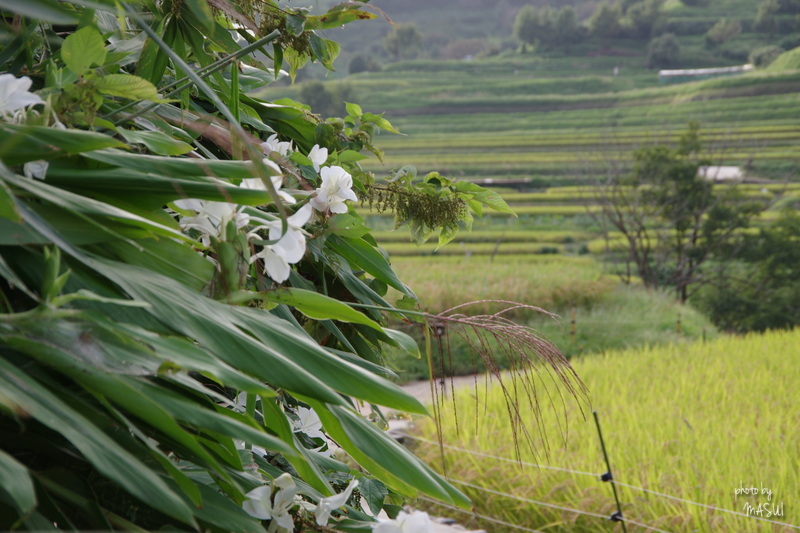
x,y
696,422
544,281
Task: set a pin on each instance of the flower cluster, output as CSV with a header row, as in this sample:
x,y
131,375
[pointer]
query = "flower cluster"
x,y
288,244
15,94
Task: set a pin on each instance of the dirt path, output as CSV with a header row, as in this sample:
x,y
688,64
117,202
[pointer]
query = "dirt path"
x,y
421,390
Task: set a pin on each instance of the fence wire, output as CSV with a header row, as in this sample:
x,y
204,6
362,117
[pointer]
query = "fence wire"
x,y
579,472
488,456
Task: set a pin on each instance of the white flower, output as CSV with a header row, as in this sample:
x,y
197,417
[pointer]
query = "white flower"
x,y
318,156
257,184
14,93
289,249
308,423
415,522
211,217
336,187
273,502
331,503
35,169
274,145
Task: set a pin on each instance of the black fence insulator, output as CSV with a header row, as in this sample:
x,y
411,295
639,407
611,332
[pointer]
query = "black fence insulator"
x,y
616,517
606,477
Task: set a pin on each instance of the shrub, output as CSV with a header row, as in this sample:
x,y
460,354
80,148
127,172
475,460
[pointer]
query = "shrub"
x,y
663,51
724,30
765,55
363,63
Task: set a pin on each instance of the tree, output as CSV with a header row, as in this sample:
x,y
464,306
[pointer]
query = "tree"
x,y
190,308
529,26
723,31
363,63
767,18
761,289
404,42
644,17
763,56
605,22
327,99
672,221
546,27
663,51
566,27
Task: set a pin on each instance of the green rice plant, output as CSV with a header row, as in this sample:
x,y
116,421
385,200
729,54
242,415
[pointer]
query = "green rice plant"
x,y
699,422
551,281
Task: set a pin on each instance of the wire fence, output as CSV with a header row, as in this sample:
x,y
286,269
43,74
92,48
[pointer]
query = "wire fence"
x,y
604,477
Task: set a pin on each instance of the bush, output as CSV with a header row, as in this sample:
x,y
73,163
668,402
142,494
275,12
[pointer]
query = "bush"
x,y
723,31
326,99
605,21
663,51
764,56
363,63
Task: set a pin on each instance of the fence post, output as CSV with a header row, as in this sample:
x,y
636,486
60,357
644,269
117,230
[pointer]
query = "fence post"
x,y
679,323
608,476
572,325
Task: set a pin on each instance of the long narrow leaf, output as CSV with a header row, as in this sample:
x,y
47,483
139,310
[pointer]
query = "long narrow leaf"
x,y
100,450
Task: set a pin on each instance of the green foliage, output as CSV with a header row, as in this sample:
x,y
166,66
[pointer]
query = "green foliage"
x,y
403,42
672,220
724,30
547,27
327,100
764,56
605,21
434,204
363,63
663,51
645,17
170,313
766,20
759,292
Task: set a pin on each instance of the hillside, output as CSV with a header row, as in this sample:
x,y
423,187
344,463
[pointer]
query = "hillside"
x,y
557,116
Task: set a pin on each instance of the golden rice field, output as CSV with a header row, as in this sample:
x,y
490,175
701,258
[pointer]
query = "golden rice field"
x,y
699,422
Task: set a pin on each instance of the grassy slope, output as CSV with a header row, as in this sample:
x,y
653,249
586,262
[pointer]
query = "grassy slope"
x,y
689,421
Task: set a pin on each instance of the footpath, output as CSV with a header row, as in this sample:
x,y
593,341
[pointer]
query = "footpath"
x,y
421,390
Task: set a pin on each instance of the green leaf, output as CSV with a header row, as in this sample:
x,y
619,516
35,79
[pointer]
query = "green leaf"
x,y
354,110
173,166
332,19
17,483
44,10
8,206
484,196
404,341
128,86
362,256
83,49
157,142
351,156
325,50
100,450
346,225
318,306
295,23
383,457
447,234
379,121
374,492
21,144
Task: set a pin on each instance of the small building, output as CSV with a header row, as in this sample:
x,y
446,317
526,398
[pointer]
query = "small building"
x,y
721,174
682,76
